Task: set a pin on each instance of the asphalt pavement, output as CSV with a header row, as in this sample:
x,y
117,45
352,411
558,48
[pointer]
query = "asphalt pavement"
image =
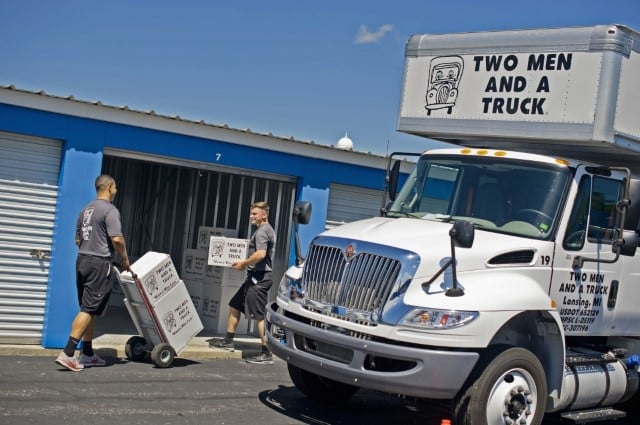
x,y
202,386
35,390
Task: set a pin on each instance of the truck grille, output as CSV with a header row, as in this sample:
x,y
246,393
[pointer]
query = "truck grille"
x,y
362,283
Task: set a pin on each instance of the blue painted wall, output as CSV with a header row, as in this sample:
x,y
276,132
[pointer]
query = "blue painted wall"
x,y
84,140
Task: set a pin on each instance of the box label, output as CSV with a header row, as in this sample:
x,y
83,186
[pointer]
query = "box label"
x,y
194,264
157,275
226,251
177,317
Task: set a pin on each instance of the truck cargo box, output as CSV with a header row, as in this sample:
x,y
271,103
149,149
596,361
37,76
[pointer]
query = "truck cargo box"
x,y
552,91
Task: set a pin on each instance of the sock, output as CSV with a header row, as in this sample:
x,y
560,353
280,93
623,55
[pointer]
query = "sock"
x,y
70,348
87,348
265,350
229,337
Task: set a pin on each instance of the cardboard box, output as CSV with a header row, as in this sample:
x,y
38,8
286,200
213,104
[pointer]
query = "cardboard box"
x,y
177,317
205,234
194,264
225,276
195,289
157,275
173,319
226,251
215,309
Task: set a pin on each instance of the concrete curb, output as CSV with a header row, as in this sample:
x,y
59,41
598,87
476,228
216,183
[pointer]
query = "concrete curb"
x,y
112,345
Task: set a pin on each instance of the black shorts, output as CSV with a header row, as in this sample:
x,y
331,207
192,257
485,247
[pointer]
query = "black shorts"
x,y
251,298
95,278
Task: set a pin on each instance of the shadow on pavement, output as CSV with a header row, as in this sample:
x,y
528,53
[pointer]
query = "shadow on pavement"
x,y
366,407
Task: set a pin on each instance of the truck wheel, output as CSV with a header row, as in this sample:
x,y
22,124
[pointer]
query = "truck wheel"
x,y
508,386
318,388
134,349
162,355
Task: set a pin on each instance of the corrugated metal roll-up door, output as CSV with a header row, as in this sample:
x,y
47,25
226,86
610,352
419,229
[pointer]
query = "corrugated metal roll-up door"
x,y
29,169
163,204
351,203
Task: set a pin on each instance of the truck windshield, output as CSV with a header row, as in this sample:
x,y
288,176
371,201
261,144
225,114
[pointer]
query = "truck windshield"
x,y
497,194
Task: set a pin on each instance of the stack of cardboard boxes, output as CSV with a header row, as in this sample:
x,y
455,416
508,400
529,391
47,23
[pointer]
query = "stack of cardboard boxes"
x,y
210,279
159,302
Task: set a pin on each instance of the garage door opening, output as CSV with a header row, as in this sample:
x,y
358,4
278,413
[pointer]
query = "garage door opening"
x,y
163,205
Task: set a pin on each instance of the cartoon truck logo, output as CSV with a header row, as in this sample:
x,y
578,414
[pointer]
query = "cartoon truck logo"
x,y
170,321
151,284
444,76
216,249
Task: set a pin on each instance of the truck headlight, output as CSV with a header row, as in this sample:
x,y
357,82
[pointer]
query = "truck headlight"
x,y
430,318
291,284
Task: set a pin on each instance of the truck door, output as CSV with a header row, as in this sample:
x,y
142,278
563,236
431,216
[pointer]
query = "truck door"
x,y
625,302
582,292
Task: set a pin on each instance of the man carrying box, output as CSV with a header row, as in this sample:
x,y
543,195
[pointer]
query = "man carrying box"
x,y
251,298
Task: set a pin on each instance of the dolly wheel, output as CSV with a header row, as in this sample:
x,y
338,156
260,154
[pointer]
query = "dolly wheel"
x,y
162,355
134,348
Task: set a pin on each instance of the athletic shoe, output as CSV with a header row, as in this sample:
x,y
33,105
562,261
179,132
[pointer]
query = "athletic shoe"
x,y
70,363
222,344
88,361
262,358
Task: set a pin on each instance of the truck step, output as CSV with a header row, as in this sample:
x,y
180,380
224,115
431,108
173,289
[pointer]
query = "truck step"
x,y
593,415
582,360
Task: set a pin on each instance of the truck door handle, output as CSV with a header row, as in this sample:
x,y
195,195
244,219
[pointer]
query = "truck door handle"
x,y
613,294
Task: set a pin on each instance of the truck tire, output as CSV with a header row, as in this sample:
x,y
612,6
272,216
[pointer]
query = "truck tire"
x,y
318,388
508,386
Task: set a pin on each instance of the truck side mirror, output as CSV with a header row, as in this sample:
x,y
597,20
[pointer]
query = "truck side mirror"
x,y
462,233
627,245
301,212
392,180
300,215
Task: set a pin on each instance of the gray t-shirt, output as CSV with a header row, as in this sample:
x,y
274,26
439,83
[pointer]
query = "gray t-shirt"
x,y
263,238
97,223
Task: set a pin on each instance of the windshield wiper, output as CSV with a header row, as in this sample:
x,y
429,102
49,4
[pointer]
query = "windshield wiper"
x,y
445,218
402,213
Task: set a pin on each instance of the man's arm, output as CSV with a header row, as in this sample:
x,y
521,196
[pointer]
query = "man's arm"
x,y
255,258
121,250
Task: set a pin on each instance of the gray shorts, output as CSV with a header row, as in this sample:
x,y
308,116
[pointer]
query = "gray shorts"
x,y
251,298
95,278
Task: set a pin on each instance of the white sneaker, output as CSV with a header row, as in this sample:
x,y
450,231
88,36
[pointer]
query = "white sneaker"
x,y
70,363
88,361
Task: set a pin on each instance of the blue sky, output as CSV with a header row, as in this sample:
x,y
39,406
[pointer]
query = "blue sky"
x,y
308,69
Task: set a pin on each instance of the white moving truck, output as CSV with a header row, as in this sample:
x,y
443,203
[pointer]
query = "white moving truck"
x,y
503,276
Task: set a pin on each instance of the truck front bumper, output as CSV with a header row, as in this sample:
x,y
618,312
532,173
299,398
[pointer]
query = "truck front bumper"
x,y
396,369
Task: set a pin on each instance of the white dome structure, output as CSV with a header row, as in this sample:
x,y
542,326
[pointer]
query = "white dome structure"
x,y
345,143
